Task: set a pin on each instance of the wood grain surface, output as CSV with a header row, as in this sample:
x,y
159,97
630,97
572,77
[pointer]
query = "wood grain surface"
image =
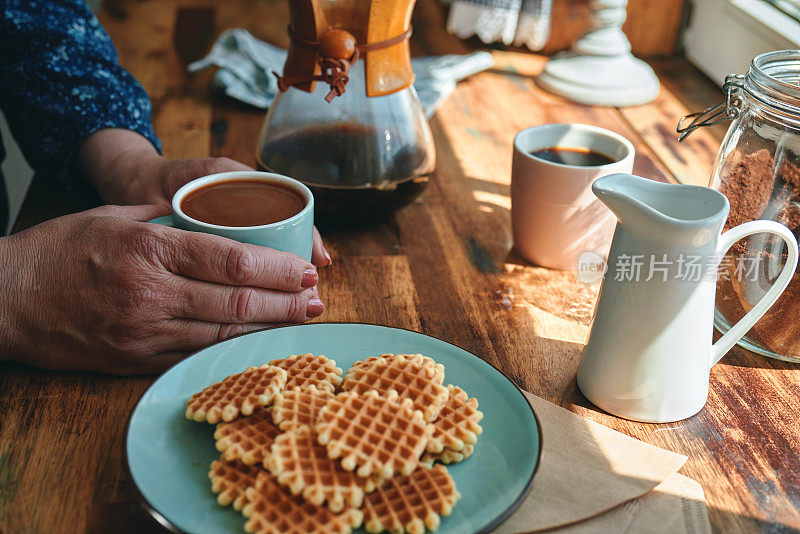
x,y
444,266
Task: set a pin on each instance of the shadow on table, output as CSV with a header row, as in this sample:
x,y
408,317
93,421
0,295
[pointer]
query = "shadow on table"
x,y
126,516
49,198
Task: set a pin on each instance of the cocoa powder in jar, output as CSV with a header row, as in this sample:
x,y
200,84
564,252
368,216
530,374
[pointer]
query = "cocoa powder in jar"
x,y
760,186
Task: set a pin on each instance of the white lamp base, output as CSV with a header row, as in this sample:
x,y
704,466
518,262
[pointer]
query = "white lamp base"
x,y
620,80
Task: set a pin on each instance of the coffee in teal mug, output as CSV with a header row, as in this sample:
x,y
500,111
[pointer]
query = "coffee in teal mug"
x,y
294,234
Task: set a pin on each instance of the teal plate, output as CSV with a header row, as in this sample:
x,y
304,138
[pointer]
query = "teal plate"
x,y
169,456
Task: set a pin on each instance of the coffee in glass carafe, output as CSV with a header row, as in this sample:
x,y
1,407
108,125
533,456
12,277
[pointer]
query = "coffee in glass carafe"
x,y
347,122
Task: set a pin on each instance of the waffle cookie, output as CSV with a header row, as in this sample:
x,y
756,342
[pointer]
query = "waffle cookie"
x,y
237,394
410,503
230,480
457,425
309,370
297,407
247,439
447,456
373,433
302,465
412,376
271,509
426,360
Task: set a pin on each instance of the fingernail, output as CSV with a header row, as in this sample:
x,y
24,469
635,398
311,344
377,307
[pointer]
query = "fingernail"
x,y
315,307
327,255
310,278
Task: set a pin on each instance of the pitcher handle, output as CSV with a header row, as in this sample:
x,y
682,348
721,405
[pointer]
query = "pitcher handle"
x,y
737,331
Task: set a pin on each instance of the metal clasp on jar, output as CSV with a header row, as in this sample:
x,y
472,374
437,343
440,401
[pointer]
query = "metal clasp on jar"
x,y
729,109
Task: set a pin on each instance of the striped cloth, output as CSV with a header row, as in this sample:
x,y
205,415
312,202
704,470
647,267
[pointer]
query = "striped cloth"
x,y
517,22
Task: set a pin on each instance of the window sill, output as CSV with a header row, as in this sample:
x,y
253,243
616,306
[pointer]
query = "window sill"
x,y
724,35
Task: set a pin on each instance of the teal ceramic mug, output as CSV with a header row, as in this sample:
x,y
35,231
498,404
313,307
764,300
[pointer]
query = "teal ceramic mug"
x,y
295,234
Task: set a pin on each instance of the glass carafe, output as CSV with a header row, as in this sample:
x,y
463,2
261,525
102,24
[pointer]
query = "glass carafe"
x,y
758,170
348,122
362,157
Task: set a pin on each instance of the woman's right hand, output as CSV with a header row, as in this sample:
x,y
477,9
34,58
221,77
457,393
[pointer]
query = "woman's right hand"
x,y
103,290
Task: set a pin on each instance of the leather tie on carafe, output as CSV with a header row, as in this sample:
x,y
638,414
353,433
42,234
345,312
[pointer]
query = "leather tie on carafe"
x,y
335,71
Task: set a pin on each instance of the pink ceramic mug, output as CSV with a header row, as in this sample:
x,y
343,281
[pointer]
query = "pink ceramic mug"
x,y
554,214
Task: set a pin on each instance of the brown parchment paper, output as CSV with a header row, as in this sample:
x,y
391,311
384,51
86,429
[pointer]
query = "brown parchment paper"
x,y
676,506
586,469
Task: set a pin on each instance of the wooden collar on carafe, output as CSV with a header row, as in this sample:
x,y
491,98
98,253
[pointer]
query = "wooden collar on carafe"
x,y
338,51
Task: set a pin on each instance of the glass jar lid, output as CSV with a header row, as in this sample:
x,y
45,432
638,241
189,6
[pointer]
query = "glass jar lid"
x,y
772,81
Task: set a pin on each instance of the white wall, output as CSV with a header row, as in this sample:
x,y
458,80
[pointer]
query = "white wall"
x,y
16,172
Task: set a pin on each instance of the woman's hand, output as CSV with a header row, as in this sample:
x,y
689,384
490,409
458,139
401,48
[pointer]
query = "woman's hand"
x,y
102,290
126,169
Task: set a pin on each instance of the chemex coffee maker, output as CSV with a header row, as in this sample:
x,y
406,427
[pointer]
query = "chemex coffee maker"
x,y
347,122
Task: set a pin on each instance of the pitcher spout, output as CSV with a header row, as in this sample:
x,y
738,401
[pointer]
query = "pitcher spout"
x,y
647,207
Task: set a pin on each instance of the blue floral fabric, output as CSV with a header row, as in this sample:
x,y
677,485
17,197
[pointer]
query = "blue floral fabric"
x,y
60,81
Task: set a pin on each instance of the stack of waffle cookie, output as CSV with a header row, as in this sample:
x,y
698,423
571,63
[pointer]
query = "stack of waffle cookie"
x,y
304,449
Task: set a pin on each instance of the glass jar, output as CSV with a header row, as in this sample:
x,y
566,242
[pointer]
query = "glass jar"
x,y
758,170
362,157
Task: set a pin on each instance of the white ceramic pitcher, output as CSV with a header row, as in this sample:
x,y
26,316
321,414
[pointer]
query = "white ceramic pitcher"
x,y
649,352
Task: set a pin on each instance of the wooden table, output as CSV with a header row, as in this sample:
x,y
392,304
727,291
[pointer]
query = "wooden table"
x,y
443,266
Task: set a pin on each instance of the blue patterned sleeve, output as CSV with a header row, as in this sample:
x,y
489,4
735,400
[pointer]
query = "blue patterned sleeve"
x,y
60,81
